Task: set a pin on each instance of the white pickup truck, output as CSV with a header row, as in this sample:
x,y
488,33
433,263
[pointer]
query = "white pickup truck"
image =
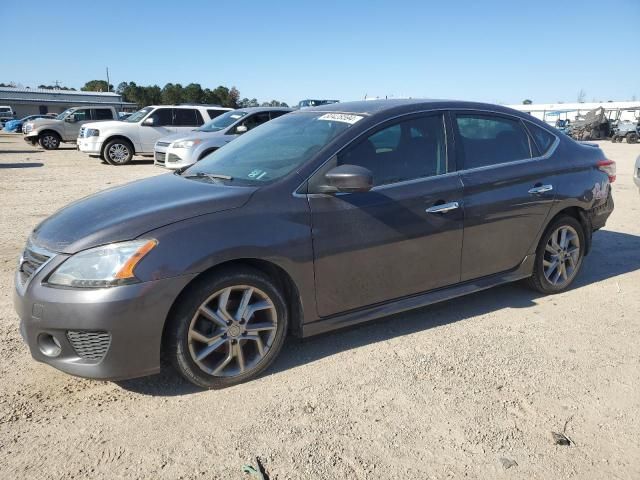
x,y
49,132
117,142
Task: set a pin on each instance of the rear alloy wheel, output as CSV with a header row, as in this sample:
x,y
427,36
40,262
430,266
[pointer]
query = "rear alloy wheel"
x,y
632,138
118,152
559,256
229,336
49,141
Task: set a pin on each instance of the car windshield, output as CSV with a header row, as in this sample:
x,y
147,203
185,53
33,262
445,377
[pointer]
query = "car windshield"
x,y
139,115
64,114
222,121
274,149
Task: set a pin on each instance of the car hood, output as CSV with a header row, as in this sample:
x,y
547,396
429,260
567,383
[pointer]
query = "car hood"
x,y
41,122
107,124
191,135
126,212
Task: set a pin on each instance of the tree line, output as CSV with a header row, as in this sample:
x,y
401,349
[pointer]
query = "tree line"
x,y
175,93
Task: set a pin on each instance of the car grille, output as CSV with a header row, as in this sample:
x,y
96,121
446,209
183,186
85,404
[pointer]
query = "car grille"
x,y
89,345
159,156
173,158
163,144
31,261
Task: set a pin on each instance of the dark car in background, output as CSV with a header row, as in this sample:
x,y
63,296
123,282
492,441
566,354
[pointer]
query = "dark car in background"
x,y
320,219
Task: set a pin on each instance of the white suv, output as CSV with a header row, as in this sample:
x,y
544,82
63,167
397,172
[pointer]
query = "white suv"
x,y
116,142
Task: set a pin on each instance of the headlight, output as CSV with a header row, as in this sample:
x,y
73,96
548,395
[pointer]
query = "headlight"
x,y
186,143
106,266
92,132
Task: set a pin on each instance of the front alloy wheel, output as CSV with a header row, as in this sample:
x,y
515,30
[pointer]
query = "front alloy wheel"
x,y
228,328
49,141
118,152
232,331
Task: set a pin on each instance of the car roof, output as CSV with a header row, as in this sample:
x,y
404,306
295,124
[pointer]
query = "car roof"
x,y
375,107
263,109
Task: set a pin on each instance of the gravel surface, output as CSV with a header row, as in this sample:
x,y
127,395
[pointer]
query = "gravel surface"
x,y
468,388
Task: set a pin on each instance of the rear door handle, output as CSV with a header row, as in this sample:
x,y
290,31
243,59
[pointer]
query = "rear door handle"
x,y
443,207
541,189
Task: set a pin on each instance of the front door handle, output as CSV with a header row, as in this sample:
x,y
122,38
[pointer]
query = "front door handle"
x,y
443,207
541,189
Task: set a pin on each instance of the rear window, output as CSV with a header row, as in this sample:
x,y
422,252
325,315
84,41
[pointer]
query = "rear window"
x,y
215,113
541,137
490,140
186,117
103,114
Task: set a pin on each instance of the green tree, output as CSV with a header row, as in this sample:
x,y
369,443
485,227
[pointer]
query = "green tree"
x,y
275,103
172,94
193,93
222,93
527,102
97,86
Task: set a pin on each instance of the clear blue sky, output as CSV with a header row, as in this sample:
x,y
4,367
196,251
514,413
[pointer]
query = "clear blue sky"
x,y
492,50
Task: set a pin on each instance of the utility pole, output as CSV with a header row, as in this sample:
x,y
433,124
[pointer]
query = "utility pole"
x,y
108,87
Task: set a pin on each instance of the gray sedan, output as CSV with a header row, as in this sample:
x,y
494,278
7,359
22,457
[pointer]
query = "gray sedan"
x,y
186,148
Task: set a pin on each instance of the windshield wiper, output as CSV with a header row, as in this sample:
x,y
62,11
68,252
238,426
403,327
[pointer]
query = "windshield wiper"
x,y
211,176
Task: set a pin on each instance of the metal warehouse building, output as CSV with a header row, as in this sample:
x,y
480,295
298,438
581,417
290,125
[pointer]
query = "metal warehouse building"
x,y
33,101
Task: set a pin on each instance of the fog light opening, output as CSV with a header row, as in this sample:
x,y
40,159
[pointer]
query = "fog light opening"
x,y
49,345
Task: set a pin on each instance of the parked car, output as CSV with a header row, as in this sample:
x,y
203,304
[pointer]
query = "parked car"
x,y
186,148
636,173
315,103
6,114
16,125
117,142
320,219
49,132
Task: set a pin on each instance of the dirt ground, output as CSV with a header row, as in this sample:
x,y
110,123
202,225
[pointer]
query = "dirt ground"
x,y
468,388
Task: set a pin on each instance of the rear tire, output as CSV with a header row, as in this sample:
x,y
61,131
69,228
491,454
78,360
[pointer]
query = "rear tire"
x,y
118,152
632,138
216,340
559,256
49,140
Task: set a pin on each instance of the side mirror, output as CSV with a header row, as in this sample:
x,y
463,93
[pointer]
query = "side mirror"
x,y
149,122
350,178
241,129
70,119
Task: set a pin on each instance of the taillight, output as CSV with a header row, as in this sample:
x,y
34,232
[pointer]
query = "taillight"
x,y
608,167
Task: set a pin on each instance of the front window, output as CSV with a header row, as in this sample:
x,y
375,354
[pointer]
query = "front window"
x,y
139,115
409,149
64,114
221,122
274,149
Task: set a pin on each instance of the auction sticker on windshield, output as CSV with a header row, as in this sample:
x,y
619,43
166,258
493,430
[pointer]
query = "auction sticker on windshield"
x,y
341,117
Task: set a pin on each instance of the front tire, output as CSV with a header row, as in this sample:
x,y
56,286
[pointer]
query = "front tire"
x,y
118,152
632,138
228,328
49,140
559,256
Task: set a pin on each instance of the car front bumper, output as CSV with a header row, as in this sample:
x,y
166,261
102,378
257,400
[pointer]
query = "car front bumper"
x,y
90,145
109,334
173,158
